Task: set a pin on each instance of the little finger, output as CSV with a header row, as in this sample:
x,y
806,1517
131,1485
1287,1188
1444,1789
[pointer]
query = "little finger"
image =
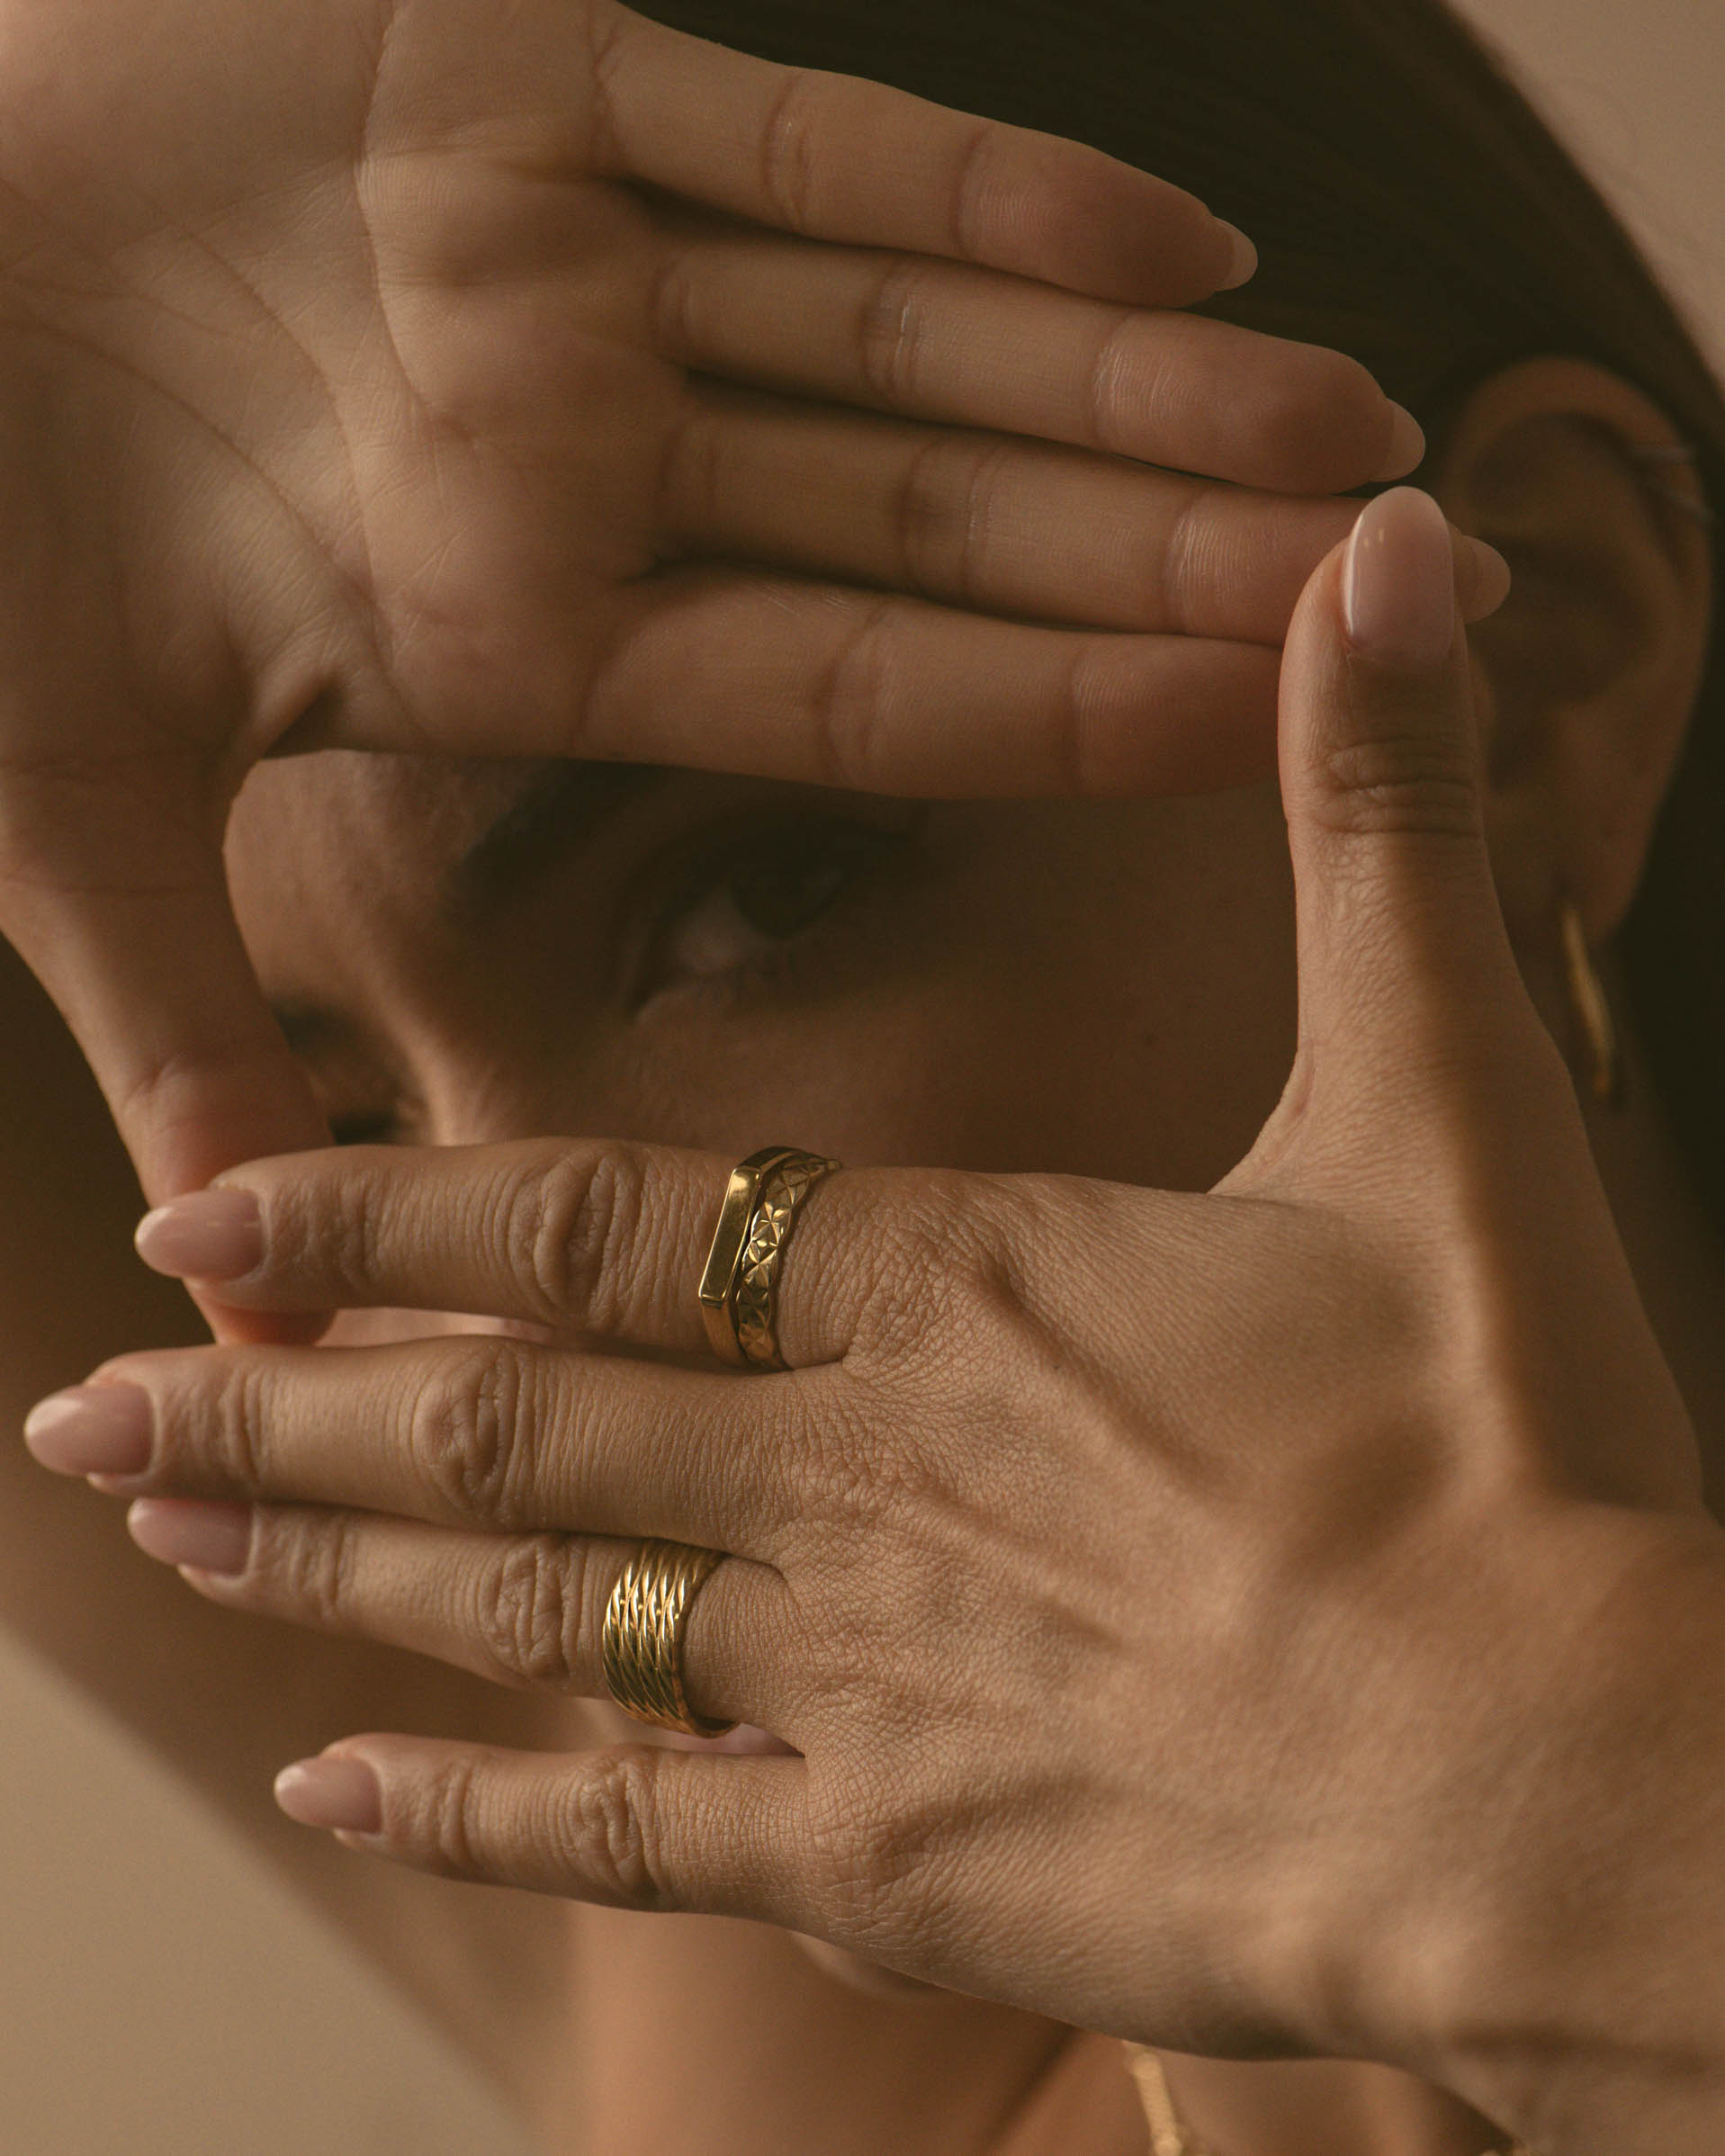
x,y
635,1827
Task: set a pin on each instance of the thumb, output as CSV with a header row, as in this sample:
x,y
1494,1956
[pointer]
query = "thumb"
x,y
1407,985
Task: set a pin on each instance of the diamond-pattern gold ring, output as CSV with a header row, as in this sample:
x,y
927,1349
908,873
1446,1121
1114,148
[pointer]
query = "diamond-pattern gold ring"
x,y
740,1287
640,1646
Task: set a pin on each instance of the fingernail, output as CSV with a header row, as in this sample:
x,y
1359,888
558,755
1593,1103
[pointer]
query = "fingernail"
x,y
184,1531
92,1429
1406,445
1245,258
342,1794
1399,582
207,1235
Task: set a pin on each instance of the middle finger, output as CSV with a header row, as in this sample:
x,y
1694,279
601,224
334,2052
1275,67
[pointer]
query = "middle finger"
x,y
474,1432
991,522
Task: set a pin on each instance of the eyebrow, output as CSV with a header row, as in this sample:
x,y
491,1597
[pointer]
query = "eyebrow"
x,y
552,816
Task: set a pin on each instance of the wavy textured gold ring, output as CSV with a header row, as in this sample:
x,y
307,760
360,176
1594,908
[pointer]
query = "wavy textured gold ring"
x,y
740,1287
640,1646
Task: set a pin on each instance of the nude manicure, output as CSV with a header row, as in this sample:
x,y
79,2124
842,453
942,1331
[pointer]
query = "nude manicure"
x,y
207,1235
92,1429
188,1530
340,1794
1399,582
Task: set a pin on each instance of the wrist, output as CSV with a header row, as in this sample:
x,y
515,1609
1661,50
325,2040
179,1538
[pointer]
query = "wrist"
x,y
1577,1994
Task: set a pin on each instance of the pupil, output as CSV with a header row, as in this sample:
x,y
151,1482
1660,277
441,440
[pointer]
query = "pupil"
x,y
779,897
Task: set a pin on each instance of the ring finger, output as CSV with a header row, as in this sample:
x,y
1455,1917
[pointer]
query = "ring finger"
x,y
525,1610
953,343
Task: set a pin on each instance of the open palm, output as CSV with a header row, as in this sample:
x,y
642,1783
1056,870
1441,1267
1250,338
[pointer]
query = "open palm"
x,y
534,379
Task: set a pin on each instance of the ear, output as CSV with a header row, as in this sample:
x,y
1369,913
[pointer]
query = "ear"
x,y
1586,679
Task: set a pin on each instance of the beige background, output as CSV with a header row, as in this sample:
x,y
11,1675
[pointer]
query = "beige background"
x,y
198,2010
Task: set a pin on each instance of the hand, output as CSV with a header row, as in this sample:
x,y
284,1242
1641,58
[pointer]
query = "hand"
x,y
1235,1620
538,381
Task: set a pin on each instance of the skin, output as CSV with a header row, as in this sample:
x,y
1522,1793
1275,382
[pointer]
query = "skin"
x,y
870,1006
213,1084
577,352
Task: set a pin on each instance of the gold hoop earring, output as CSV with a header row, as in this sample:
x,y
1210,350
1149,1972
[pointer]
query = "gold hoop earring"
x,y
1591,1008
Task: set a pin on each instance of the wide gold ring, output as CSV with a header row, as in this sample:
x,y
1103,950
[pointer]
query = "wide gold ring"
x,y
640,1646
740,1287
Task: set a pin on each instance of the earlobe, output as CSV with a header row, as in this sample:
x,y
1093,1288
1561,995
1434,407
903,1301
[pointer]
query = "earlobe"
x,y
1589,676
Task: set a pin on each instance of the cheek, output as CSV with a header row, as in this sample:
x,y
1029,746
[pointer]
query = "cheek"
x,y
1110,995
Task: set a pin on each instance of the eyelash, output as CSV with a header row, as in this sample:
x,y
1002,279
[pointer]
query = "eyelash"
x,y
857,851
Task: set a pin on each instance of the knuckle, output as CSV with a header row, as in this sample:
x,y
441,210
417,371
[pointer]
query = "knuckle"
x,y
977,192
464,1422
529,1611
232,1436
310,1561
1400,782
1120,386
570,1234
609,1830
442,1827
892,333
789,146
848,702
943,515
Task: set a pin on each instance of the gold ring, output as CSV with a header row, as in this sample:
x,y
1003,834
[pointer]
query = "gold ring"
x,y
740,1287
640,1646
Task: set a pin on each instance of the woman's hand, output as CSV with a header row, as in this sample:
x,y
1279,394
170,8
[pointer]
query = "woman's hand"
x,y
533,379
1235,1620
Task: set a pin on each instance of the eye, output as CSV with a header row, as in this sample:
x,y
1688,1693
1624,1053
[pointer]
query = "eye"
x,y
739,912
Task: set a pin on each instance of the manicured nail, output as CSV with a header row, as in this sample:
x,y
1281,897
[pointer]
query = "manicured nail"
x,y
92,1429
1406,445
1245,258
188,1530
341,1795
207,1235
1399,582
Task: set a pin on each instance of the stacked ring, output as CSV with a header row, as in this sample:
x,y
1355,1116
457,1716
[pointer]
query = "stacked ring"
x,y
740,1287
641,1645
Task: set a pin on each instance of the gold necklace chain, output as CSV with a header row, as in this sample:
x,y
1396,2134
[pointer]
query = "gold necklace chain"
x,y
1168,2137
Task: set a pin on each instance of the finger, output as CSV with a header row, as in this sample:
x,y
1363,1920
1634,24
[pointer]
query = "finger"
x,y
834,157
478,1431
525,1610
938,341
637,1828
994,524
1406,976
598,1239
578,1236
118,902
813,683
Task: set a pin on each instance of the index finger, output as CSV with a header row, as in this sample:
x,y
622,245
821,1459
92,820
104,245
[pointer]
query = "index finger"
x,y
121,908
835,158
579,1236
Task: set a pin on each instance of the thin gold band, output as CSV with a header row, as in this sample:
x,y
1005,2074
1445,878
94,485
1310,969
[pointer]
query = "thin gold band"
x,y
640,1646
739,1286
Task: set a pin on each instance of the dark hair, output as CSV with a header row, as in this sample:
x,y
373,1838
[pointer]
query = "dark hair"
x,y
1411,208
